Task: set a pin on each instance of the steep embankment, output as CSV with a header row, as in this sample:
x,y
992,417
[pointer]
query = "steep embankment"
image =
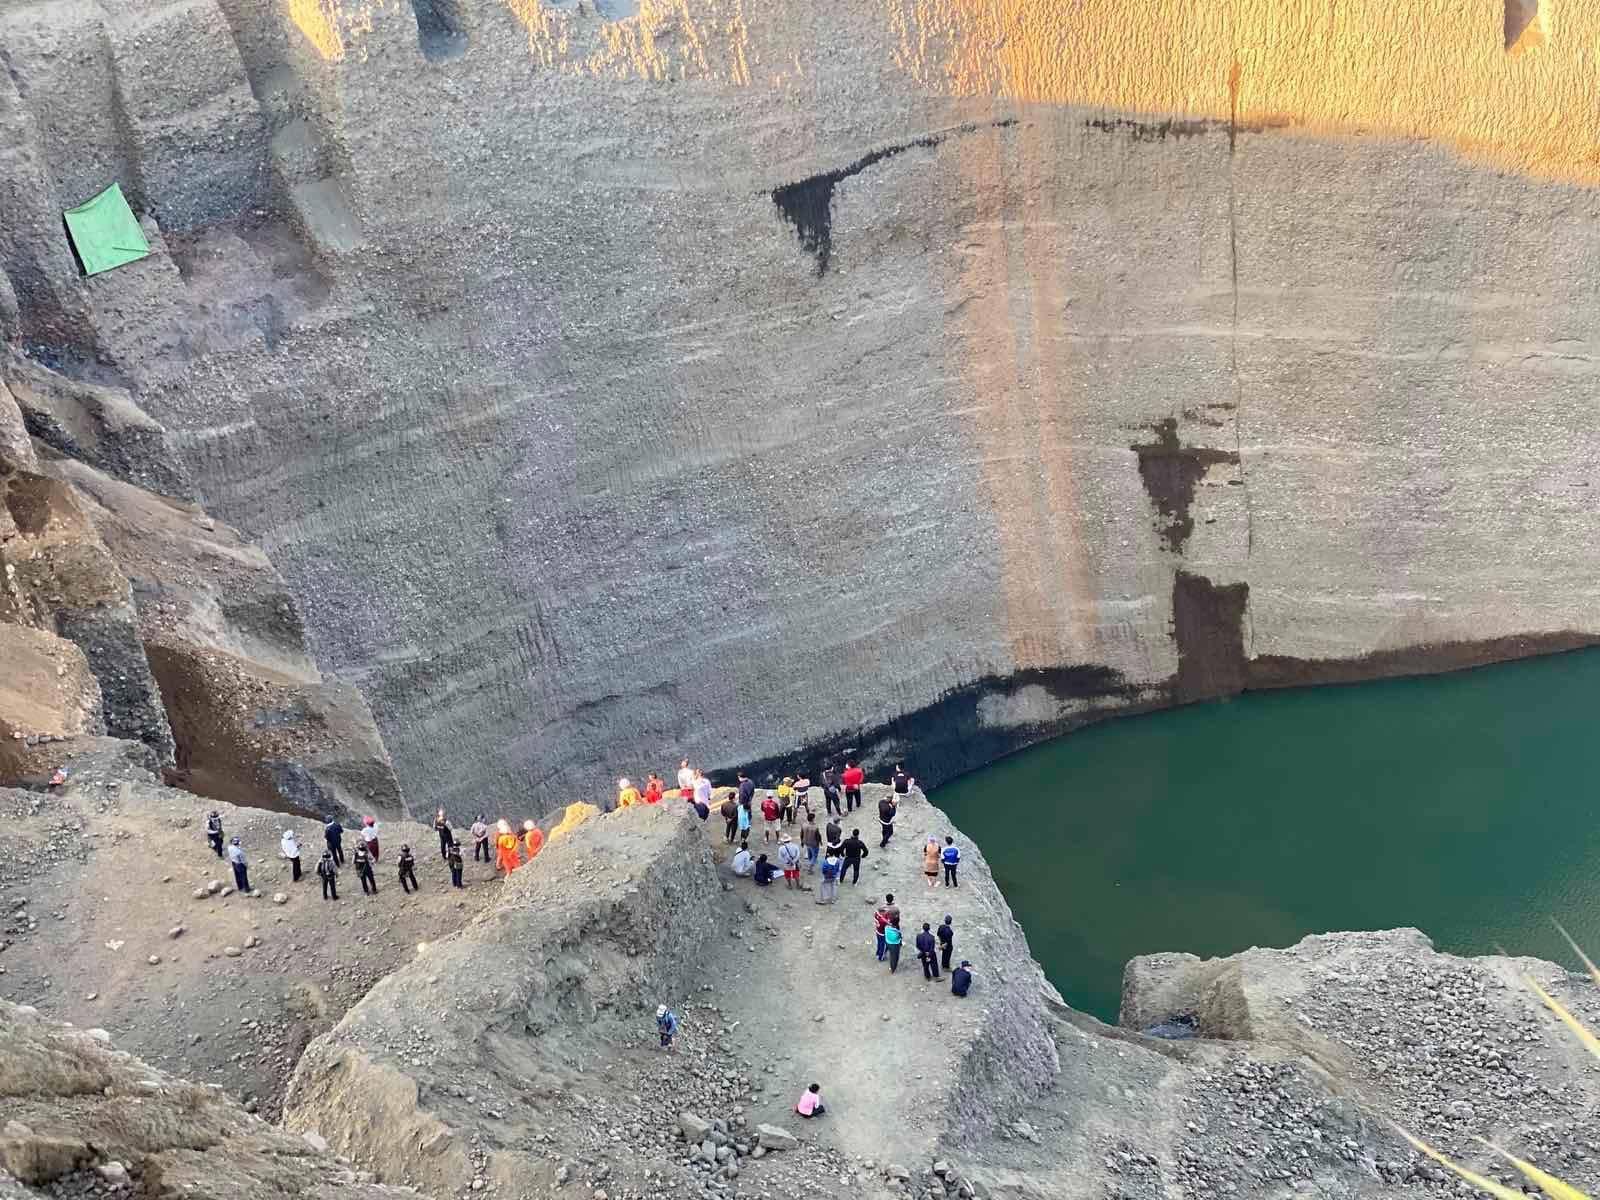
x,y
78,1118
616,381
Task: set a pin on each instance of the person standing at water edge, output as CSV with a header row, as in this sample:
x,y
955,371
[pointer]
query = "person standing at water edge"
x,y
328,872
480,840
951,858
333,834
900,782
214,831
241,870
852,779
666,1025
290,849
946,934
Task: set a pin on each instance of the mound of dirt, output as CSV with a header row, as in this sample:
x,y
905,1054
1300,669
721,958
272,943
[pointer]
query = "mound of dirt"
x,y
79,1118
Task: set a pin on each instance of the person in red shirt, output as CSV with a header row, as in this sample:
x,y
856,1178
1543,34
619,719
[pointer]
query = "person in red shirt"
x,y
653,789
852,778
770,811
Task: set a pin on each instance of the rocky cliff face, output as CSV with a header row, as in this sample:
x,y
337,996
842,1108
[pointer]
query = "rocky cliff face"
x,y
718,376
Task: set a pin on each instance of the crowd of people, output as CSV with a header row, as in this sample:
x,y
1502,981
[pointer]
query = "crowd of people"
x,y
788,824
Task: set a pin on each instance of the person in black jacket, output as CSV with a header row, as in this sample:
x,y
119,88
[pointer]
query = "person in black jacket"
x,y
333,834
764,872
730,814
830,792
453,858
214,831
363,863
447,837
747,789
408,869
328,872
947,940
927,951
886,819
854,850
960,979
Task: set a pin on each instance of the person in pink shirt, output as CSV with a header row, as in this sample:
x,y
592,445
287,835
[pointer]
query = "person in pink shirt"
x,y
810,1104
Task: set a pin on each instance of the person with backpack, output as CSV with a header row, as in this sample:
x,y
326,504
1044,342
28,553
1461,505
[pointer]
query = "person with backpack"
x,y
946,934
666,1025
886,809
830,793
328,872
770,812
480,841
854,850
892,941
333,835
408,869
951,857
829,892
730,818
852,779
789,860
363,865
214,831
928,952
453,861
447,836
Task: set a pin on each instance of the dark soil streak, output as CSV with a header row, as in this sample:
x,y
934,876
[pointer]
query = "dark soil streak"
x,y
1170,472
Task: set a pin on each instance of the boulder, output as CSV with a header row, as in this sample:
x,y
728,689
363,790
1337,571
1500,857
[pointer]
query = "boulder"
x,y
773,1137
694,1129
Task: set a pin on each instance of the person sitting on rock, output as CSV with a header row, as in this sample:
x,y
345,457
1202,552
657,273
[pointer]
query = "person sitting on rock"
x,y
505,844
290,849
328,872
447,837
627,794
961,979
666,1025
480,841
763,872
408,869
214,831
654,789
363,865
241,870
810,1103
743,864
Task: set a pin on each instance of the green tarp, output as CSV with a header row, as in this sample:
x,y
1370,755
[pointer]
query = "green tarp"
x,y
105,232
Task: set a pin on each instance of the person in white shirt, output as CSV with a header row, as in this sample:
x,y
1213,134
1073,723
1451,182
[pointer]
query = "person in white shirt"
x,y
290,849
743,863
702,789
685,780
369,835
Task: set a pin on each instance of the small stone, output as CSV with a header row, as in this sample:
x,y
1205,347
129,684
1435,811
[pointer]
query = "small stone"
x,y
232,951
897,1172
112,1172
251,942
280,898
175,932
92,996
154,960
316,1141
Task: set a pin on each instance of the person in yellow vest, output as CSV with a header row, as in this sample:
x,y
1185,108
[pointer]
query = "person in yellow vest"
x,y
505,844
532,839
627,794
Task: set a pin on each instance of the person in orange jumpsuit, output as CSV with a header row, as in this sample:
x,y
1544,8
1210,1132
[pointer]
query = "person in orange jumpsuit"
x,y
653,789
506,847
627,794
532,839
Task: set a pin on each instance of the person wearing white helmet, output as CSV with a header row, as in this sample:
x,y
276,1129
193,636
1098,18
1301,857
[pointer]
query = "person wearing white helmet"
x,y
627,794
666,1025
290,849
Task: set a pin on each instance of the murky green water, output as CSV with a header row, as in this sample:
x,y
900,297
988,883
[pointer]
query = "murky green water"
x,y
1467,805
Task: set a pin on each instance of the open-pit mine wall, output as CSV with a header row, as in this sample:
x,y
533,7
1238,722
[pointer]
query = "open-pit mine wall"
x,y
609,381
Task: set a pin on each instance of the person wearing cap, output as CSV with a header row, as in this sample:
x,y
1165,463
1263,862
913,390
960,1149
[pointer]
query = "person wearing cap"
x,y
447,837
770,813
789,860
627,794
214,831
290,849
453,860
369,835
328,872
480,841
408,869
961,979
532,839
241,870
666,1025
505,845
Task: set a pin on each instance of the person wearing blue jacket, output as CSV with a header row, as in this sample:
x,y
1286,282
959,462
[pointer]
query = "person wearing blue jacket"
x,y
666,1025
952,859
